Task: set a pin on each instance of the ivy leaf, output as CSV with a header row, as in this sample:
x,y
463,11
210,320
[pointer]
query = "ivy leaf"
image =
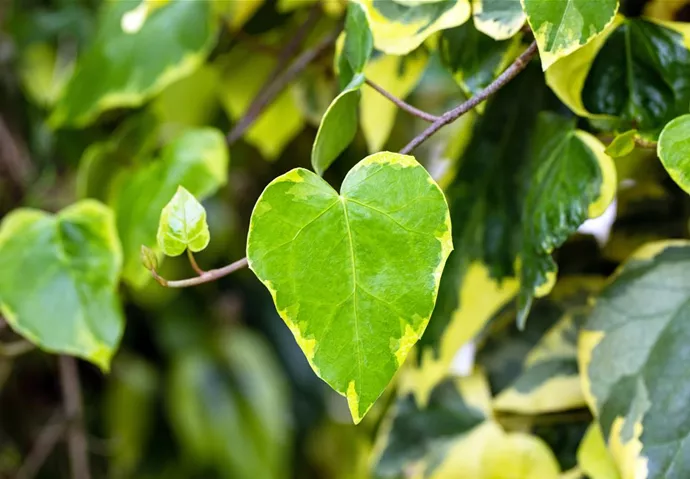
x,y
400,27
573,180
499,19
562,26
674,150
632,355
592,456
59,283
622,145
355,272
197,160
338,127
459,46
126,66
182,225
357,46
398,76
621,84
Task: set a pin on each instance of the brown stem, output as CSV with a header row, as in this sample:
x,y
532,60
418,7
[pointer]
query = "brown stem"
x,y
15,348
206,277
451,115
402,104
45,442
269,92
76,436
192,261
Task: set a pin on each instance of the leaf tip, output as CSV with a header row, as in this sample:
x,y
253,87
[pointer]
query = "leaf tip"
x,y
148,258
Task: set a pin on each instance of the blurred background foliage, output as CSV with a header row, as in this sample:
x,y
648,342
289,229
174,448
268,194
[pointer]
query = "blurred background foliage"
x,y
208,382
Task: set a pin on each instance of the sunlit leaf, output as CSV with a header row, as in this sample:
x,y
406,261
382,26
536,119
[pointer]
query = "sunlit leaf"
x,y
594,458
182,225
499,19
622,145
399,27
125,68
197,160
338,126
43,73
674,150
632,358
367,260
58,286
563,26
396,75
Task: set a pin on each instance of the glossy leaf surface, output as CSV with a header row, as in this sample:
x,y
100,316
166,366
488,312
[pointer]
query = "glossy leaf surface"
x,y
59,280
354,275
674,150
182,225
499,19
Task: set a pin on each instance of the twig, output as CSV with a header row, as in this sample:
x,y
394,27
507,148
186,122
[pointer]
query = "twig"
x,y
76,436
402,104
192,261
266,95
46,441
15,348
450,116
648,144
206,277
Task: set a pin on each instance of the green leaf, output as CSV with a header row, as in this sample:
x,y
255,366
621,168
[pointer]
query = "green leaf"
x,y
549,380
197,160
412,432
563,26
243,72
400,26
367,260
357,46
499,19
182,225
58,286
632,355
398,76
129,63
674,150
621,84
622,145
338,127
572,180
230,410
473,58
129,412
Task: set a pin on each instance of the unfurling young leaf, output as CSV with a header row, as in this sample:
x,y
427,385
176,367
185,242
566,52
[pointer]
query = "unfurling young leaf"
x,y
148,258
182,225
622,145
355,272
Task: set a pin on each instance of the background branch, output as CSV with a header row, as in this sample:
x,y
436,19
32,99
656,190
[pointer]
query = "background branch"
x,y
451,115
45,442
205,277
76,436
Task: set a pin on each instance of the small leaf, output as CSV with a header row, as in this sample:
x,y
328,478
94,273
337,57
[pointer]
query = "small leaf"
x,y
498,19
563,26
126,68
674,150
400,27
594,458
149,258
355,272
338,127
182,225
197,160
358,44
622,145
58,286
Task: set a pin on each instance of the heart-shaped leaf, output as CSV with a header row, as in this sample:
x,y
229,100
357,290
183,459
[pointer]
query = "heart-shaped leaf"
x,y
58,286
674,150
354,275
183,225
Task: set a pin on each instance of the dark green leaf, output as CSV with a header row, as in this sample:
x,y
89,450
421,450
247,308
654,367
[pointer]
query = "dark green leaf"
x,y
358,44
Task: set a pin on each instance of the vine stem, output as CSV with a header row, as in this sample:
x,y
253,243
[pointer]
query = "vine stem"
x,y
76,435
45,442
192,261
451,115
402,104
205,277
